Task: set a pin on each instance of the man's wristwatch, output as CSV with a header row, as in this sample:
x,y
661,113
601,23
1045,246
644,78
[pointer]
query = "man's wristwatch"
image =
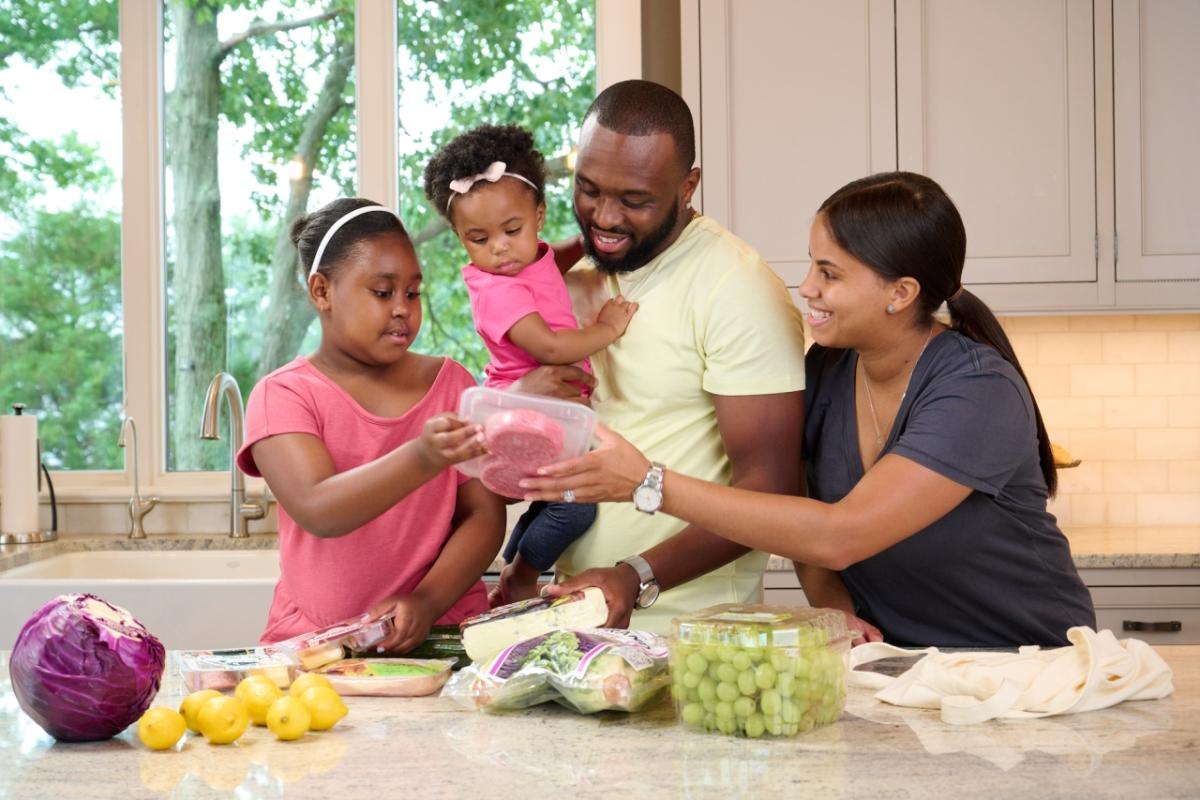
x,y
648,496
647,583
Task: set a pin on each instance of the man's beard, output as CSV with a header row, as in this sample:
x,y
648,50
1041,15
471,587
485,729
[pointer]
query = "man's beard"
x,y
638,254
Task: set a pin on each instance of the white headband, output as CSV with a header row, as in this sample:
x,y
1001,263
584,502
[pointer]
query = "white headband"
x,y
334,229
494,172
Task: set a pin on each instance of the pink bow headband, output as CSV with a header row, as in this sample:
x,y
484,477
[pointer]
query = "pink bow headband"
x,y
494,172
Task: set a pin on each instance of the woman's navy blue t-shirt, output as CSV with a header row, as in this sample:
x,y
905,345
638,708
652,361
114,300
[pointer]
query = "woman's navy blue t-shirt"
x,y
996,570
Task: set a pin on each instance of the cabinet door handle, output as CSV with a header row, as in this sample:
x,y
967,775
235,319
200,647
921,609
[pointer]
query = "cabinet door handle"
x,y
1173,626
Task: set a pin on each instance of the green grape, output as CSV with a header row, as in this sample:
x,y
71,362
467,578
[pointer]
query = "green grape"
x,y
786,683
697,663
755,726
827,697
709,652
781,660
712,671
746,684
807,722
691,679
707,689
727,726
803,666
774,726
802,689
790,729
788,711
727,673
709,705
801,704
678,692
726,653
710,722
693,713
764,676
724,711
741,661
743,706
727,692
770,702
756,654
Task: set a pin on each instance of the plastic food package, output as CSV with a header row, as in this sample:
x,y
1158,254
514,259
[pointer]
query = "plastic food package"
x,y
324,646
224,669
387,677
486,634
754,670
595,669
524,432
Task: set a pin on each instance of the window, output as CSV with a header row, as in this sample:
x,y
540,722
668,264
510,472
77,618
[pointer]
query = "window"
x,y
60,229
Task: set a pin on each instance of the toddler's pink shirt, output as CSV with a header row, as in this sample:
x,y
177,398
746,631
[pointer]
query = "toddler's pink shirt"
x,y
499,301
322,581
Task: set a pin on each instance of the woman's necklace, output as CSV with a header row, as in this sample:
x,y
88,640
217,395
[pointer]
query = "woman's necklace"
x,y
871,400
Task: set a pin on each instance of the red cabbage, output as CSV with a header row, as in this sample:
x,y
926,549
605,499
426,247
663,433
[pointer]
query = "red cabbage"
x,y
84,669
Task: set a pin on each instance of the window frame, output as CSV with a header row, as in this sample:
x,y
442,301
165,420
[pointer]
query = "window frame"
x,y
618,57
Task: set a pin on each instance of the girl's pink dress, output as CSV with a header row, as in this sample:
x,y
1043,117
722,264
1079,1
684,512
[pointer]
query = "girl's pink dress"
x,y
322,581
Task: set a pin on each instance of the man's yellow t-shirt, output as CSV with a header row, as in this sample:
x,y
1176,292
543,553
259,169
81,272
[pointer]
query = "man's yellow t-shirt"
x,y
713,319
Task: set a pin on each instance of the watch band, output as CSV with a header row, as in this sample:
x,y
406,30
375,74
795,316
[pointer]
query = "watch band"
x,y
642,567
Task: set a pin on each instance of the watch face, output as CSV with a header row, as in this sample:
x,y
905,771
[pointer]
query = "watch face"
x,y
648,595
646,498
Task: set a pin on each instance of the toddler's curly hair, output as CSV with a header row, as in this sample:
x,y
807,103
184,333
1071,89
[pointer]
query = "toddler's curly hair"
x,y
472,152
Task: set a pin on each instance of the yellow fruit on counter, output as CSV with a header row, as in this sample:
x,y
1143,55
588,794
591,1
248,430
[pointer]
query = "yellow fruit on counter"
x,y
160,727
191,706
305,681
258,692
325,705
223,719
289,718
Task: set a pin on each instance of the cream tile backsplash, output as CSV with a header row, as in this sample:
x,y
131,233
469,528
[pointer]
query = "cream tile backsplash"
x,y
1122,393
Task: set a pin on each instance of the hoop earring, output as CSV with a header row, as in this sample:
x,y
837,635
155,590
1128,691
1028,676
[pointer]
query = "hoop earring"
x,y
891,309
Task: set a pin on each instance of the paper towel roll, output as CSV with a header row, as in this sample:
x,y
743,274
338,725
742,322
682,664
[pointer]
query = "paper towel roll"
x,y
18,474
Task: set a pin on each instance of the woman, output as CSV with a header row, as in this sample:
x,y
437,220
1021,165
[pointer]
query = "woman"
x,y
928,465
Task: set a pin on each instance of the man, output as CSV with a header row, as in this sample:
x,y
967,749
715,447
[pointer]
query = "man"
x,y
709,376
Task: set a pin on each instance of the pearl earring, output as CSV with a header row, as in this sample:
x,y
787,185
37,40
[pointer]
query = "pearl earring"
x,y
891,309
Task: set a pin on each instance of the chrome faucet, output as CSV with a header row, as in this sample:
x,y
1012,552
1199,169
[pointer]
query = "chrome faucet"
x,y
138,508
241,511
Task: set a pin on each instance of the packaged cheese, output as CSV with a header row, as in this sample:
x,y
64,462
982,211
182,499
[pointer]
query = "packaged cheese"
x,y
486,634
387,677
332,643
223,669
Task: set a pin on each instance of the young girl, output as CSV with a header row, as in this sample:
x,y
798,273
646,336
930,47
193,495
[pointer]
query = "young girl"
x,y
355,441
489,184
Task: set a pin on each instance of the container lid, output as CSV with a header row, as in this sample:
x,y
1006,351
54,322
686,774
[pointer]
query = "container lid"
x,y
237,660
744,625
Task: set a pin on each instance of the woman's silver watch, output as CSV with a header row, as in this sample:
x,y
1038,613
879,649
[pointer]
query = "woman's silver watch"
x,y
647,583
648,496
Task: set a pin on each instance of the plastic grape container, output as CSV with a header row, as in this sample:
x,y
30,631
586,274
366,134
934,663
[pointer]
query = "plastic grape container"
x,y
759,671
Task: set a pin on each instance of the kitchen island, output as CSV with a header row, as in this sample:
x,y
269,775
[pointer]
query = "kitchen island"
x,y
430,748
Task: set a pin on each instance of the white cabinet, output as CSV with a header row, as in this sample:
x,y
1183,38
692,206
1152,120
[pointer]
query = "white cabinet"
x,y
1054,124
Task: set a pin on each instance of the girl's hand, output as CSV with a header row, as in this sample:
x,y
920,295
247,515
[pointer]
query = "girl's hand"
x,y
565,382
446,439
616,314
411,619
609,473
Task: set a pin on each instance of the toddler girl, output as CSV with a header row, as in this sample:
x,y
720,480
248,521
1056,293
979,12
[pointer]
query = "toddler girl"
x,y
355,440
489,184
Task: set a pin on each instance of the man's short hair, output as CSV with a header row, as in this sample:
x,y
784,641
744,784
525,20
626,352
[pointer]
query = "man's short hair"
x,y
644,108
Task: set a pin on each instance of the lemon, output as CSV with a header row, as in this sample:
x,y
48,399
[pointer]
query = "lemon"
x,y
160,727
191,706
258,692
305,681
288,718
222,719
325,706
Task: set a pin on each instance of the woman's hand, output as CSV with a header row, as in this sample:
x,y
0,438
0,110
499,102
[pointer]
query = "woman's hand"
x,y
412,619
862,630
620,586
566,382
609,473
448,439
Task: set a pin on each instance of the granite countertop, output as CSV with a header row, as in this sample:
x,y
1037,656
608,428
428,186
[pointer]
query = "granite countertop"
x,y
1092,547
1137,749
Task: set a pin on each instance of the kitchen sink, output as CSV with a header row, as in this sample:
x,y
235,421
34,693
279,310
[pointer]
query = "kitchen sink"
x,y
189,599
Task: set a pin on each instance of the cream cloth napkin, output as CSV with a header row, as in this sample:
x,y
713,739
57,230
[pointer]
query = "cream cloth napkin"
x,y
1096,671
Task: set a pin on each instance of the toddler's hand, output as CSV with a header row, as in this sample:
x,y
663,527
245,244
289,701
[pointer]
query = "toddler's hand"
x,y
616,314
446,439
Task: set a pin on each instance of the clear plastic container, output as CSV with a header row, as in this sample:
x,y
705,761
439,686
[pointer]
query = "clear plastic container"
x,y
324,646
755,670
224,669
525,432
